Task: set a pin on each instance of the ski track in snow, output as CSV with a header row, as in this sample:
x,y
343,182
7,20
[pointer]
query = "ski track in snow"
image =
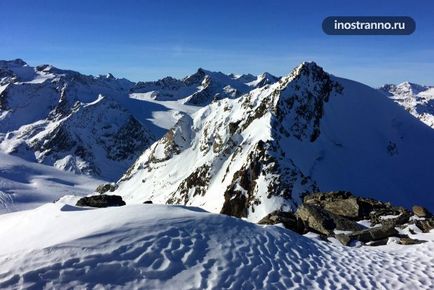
x,y
172,247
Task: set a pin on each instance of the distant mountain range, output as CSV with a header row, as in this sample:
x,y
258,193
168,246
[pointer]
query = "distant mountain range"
x,y
416,99
242,145
99,125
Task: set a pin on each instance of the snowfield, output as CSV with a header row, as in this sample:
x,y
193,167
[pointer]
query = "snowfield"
x,y
175,247
25,185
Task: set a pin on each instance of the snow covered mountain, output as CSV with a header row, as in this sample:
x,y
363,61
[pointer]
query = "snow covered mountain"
x,y
98,125
69,120
310,130
416,99
203,87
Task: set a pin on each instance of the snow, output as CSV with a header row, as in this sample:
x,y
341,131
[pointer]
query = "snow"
x,y
352,152
176,247
416,99
25,184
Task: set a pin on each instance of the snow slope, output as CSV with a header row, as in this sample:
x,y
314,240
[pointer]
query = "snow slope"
x,y
174,247
40,106
25,185
416,99
310,131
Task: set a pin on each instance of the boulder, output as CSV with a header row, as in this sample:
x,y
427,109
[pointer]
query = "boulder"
x,y
288,219
421,211
425,225
148,202
103,188
323,221
374,234
102,200
410,241
395,221
340,203
343,203
376,216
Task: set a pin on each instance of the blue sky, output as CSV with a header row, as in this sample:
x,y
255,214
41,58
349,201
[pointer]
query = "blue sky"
x,y
147,40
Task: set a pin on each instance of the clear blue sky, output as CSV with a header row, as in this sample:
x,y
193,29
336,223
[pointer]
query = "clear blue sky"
x,y
146,40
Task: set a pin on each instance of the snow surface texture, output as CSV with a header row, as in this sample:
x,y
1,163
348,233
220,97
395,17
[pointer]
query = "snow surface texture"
x,y
25,184
175,247
309,131
416,99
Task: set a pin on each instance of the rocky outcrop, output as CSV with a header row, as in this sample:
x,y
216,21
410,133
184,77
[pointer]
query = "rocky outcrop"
x,y
336,214
425,225
325,222
345,204
102,200
288,219
421,212
103,188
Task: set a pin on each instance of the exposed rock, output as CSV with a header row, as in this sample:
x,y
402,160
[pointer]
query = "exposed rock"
x,y
102,200
325,222
425,225
374,234
395,221
376,243
410,241
288,219
421,211
103,188
338,202
343,238
376,216
345,204
148,202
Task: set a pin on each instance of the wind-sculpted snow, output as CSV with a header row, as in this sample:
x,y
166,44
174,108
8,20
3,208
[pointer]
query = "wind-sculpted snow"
x,y
172,247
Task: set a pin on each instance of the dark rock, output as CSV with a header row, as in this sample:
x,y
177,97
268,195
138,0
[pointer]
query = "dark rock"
x,y
374,234
288,219
102,200
325,222
410,241
376,216
425,225
396,221
381,242
344,239
148,202
421,211
103,188
341,203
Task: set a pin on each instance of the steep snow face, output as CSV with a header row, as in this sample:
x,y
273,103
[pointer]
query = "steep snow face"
x,y
61,118
263,151
175,247
416,99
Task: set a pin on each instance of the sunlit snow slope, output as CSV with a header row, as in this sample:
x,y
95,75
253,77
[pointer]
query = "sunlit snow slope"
x,y
25,184
173,247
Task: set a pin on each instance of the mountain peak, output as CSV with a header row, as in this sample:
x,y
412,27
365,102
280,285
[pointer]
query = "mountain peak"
x,y
306,67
